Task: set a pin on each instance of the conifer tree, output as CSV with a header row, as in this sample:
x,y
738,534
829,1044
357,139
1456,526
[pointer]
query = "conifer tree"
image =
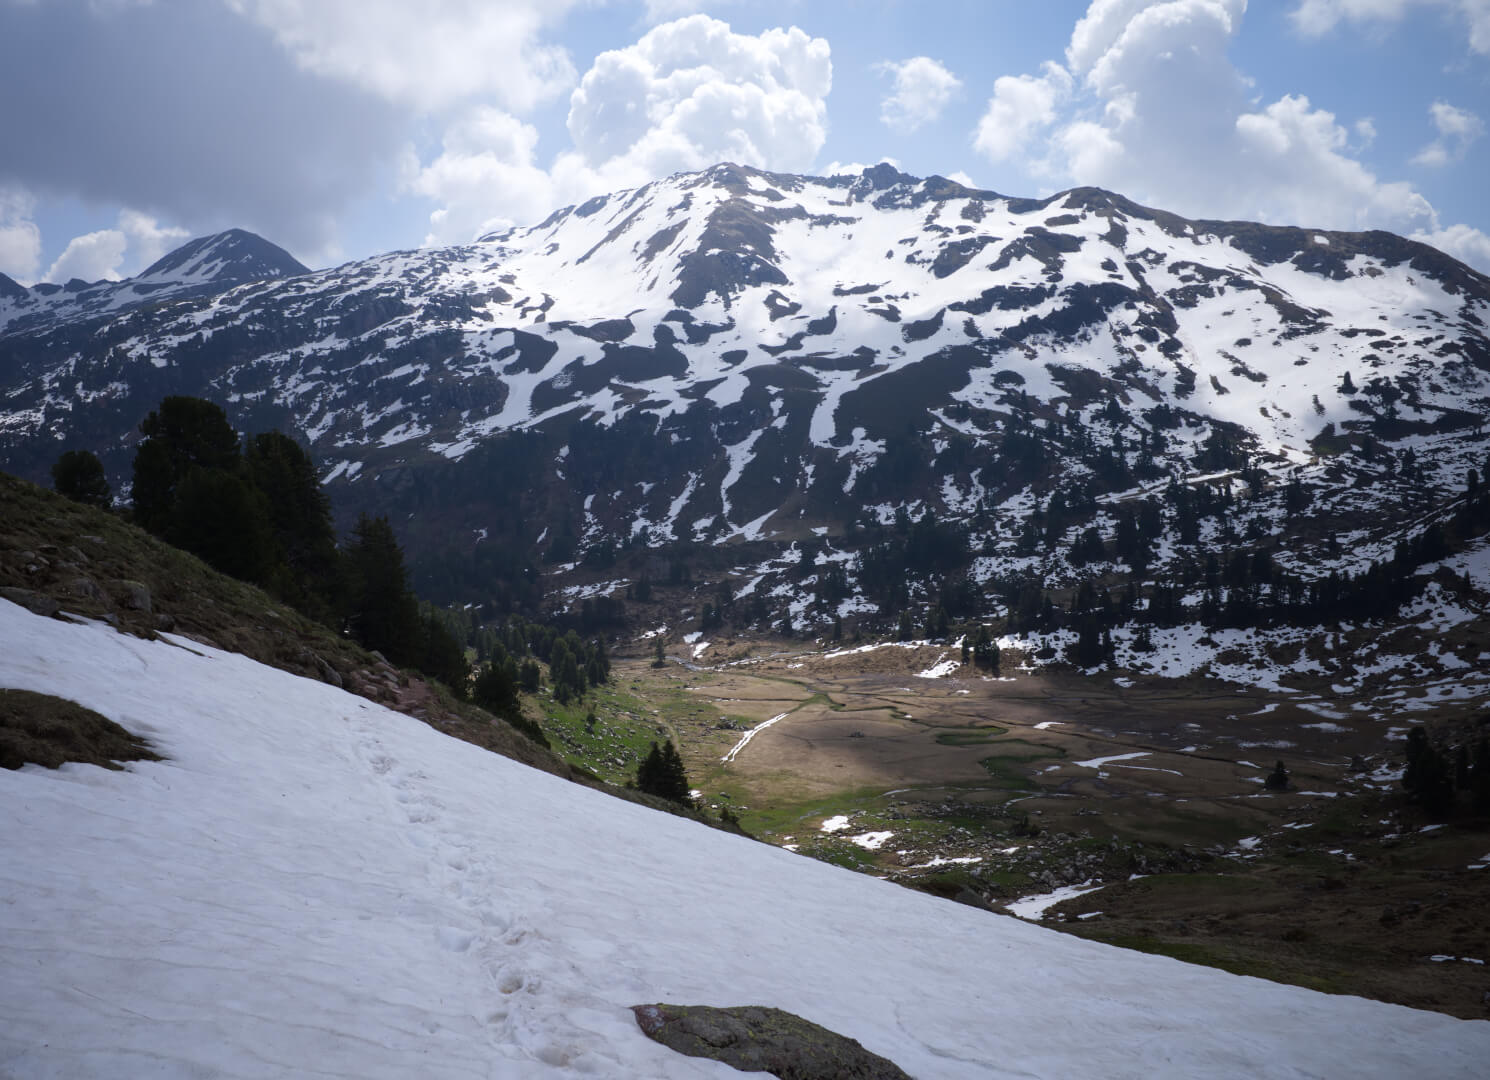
x,y
78,475
185,433
382,612
661,773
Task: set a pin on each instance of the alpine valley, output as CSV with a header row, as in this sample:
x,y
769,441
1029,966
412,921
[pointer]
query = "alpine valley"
x,y
999,545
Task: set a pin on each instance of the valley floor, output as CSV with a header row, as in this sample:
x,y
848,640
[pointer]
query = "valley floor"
x,y
1014,791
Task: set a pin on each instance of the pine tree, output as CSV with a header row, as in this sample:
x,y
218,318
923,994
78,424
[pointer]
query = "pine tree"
x,y
78,475
300,514
223,518
382,613
185,433
661,773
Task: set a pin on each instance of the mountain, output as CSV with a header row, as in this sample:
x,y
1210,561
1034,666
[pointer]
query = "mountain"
x,y
734,356
205,266
228,258
308,882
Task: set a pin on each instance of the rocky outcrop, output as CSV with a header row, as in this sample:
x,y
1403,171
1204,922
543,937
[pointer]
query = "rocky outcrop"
x,y
756,1038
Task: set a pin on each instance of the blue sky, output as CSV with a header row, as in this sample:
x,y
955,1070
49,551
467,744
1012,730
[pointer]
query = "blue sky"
x,y
344,128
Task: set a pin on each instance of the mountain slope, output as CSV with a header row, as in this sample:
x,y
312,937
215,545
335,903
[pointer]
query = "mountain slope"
x,y
205,266
309,882
733,356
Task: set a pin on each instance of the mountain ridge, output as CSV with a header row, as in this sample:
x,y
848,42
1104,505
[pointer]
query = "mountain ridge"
x,y
778,354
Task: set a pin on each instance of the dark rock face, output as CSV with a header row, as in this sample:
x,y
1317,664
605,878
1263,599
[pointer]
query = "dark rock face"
x,y
755,1038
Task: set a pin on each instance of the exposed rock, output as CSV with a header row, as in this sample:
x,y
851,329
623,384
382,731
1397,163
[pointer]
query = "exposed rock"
x,y
755,1038
85,588
34,602
135,594
328,673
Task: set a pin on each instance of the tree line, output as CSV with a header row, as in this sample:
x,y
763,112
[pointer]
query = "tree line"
x,y
255,509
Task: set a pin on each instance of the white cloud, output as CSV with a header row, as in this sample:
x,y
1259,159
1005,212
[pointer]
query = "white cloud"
x,y
430,55
1463,242
1021,107
20,239
148,239
1317,17
110,254
1155,109
94,256
923,87
687,95
1457,128
694,92
485,177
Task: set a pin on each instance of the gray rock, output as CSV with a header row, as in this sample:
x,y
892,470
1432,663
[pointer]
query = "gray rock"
x,y
35,602
135,594
328,673
86,588
756,1038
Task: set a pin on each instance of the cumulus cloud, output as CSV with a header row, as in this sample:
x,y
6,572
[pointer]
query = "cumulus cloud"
x,y
485,177
20,239
1022,106
1457,128
1317,17
922,89
1149,103
688,94
93,256
110,254
693,92
430,55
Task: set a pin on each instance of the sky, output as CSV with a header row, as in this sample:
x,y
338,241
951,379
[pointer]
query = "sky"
x,y
341,129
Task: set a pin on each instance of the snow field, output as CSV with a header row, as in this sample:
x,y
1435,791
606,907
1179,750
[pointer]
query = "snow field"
x,y
314,884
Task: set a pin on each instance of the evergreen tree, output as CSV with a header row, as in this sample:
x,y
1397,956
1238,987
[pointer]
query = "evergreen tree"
x,y
529,677
382,612
443,656
185,433
78,475
496,688
300,514
224,519
661,773
1427,778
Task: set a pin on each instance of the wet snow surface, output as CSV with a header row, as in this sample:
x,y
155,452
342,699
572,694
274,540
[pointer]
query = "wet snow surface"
x,y
314,885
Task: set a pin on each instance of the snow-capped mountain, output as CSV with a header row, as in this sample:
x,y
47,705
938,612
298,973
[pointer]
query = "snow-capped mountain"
x,y
742,354
204,266
309,883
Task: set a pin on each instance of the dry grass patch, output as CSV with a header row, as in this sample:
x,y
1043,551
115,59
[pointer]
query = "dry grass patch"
x,y
39,729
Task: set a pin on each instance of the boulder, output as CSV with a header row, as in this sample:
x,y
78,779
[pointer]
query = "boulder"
x,y
134,595
86,588
757,1038
35,602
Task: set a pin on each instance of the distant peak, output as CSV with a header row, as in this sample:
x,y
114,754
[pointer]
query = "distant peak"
x,y
228,257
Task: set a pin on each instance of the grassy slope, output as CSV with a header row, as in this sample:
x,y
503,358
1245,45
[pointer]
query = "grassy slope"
x,y
58,554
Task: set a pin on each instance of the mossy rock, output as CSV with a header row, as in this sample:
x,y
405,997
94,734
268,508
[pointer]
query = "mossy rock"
x,y
756,1038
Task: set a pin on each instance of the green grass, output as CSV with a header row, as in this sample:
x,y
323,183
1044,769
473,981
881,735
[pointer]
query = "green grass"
x,y
1008,769
624,730
974,736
